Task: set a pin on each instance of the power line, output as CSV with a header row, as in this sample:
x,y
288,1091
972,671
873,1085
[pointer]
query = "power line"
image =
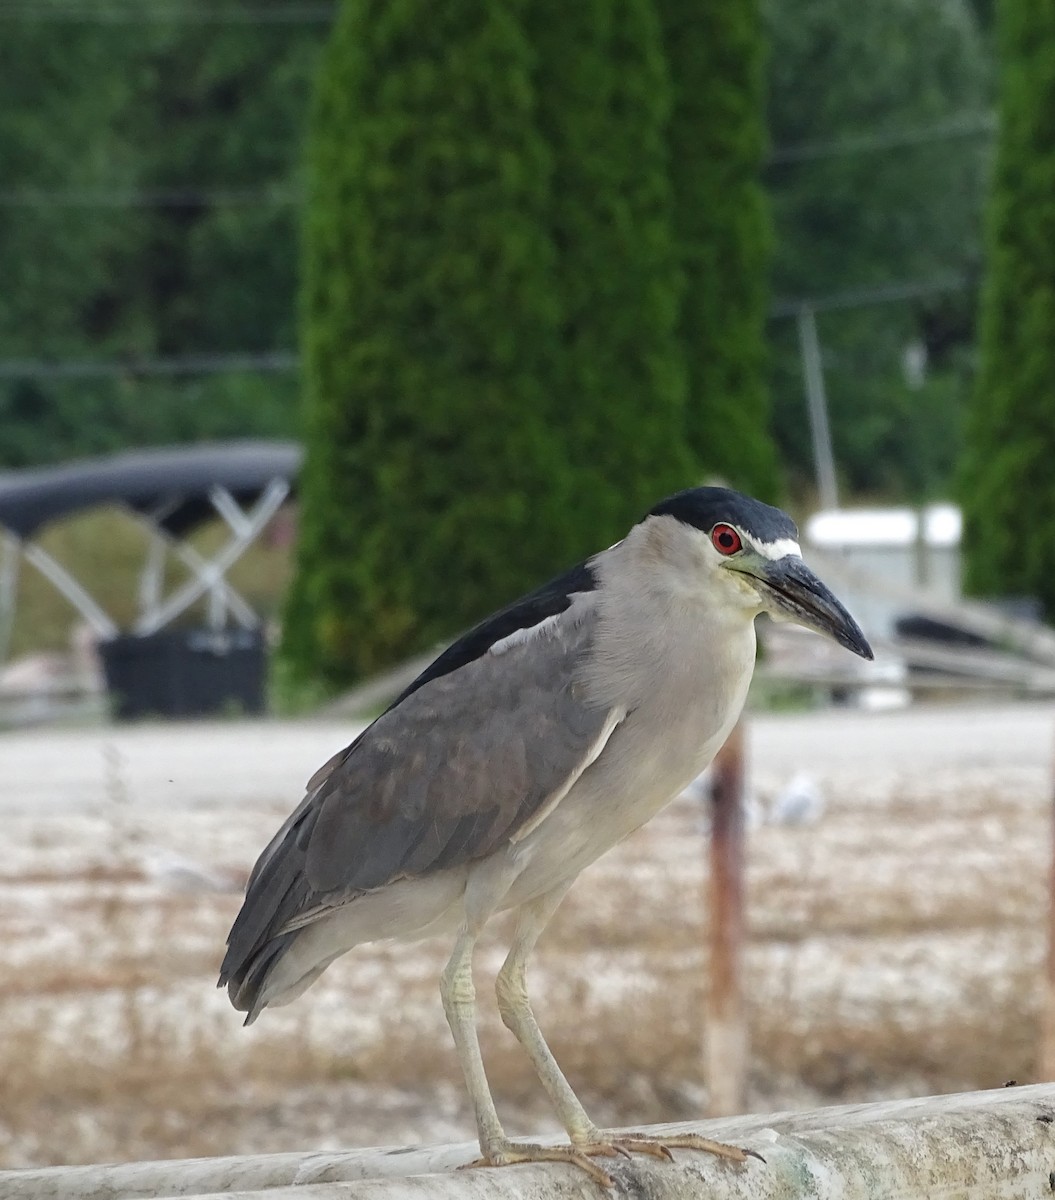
x,y
150,198
273,197
285,361
888,293
175,13
965,125
187,364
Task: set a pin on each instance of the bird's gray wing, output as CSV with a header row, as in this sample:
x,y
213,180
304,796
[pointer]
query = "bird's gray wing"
x,y
458,768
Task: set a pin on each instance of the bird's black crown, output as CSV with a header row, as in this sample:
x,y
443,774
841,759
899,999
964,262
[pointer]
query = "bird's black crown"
x,y
705,507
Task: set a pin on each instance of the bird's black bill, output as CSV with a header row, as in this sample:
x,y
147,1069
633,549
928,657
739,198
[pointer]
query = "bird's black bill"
x,y
795,589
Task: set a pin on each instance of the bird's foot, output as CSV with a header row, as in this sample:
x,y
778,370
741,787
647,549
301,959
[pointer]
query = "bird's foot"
x,y
661,1147
508,1154
599,1145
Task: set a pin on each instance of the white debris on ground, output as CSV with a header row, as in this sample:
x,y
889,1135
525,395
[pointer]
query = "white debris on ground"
x,y
178,873
895,943
799,802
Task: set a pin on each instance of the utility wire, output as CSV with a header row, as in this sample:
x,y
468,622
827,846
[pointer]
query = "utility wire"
x,y
965,125
293,14
279,196
286,361
187,364
156,198
889,293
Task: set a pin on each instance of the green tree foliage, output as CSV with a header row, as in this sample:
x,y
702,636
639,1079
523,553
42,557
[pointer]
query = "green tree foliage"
x,y
231,102
717,141
851,213
603,106
494,382
429,331
91,113
64,106
174,104
64,123
1008,485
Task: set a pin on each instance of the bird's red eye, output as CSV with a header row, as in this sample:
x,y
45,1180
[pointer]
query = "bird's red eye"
x,y
726,540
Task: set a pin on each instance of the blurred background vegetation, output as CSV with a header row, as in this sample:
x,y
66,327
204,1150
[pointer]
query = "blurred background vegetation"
x,y
154,177
211,213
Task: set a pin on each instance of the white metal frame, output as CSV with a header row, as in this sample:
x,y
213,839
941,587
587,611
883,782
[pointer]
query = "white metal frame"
x,y
64,583
10,560
208,576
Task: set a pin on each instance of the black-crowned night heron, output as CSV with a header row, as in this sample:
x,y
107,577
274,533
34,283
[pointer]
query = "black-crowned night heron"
x,y
525,751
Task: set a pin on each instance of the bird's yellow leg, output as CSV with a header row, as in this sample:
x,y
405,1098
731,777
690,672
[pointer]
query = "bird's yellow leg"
x,y
459,1003
587,1141
515,1008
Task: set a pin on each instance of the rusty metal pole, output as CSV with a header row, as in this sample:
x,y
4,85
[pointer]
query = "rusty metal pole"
x,y
725,1031
1046,1055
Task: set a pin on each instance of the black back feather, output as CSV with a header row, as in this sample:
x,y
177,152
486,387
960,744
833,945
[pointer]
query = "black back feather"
x,y
530,610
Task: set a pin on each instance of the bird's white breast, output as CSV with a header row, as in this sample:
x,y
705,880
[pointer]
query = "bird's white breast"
x,y
689,685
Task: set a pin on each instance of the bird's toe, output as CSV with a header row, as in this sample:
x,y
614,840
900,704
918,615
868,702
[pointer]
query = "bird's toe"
x,y
512,1153
661,1147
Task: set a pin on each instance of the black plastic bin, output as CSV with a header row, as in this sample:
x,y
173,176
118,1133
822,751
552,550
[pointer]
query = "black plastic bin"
x,y
186,673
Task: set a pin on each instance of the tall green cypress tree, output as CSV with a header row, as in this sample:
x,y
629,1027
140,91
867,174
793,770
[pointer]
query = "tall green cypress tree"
x,y
1008,484
604,103
494,381
717,138
434,487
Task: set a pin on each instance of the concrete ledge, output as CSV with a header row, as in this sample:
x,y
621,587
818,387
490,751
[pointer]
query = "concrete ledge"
x,y
997,1145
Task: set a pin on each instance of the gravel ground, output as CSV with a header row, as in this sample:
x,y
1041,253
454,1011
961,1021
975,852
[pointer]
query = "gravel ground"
x,y
895,943
243,762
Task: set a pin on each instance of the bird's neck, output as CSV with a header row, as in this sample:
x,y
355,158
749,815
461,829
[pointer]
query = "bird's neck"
x,y
668,646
